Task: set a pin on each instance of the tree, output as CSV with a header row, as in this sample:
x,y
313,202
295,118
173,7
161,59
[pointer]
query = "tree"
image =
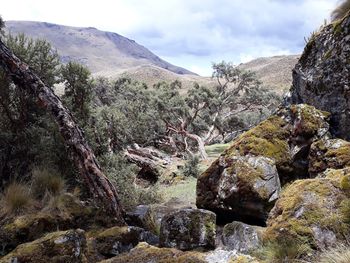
x,y
237,92
78,90
84,158
341,10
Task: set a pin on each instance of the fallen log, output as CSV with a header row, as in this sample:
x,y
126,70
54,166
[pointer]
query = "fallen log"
x,y
97,183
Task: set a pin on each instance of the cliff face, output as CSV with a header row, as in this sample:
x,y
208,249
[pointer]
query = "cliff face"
x,y
322,75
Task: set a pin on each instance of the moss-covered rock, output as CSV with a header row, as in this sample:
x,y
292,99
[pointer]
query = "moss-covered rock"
x,y
146,253
324,154
65,246
188,229
311,211
238,187
116,240
63,213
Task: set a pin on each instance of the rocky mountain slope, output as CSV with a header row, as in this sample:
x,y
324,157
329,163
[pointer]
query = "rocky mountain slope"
x,y
103,52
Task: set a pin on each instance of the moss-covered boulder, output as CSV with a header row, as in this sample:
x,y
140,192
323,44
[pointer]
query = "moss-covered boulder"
x,y
188,229
65,246
64,212
312,211
146,253
238,187
241,237
116,240
324,154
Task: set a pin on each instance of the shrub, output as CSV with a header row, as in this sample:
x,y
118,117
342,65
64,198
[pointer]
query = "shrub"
x,y
46,181
285,251
339,254
341,10
16,199
191,167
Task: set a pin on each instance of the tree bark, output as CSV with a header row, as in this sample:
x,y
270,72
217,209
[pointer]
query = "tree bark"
x,y
98,184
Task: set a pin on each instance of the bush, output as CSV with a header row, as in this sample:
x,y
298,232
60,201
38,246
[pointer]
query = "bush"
x,y
45,181
191,167
16,199
341,10
123,175
339,254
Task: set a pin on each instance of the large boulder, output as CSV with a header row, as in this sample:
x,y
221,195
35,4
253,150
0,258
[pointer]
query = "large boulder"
x,y
188,229
312,211
243,183
324,154
65,246
321,77
241,237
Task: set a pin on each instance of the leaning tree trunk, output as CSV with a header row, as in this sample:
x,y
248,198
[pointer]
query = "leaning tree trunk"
x,y
89,169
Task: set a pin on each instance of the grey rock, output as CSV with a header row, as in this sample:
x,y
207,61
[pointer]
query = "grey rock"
x,y
241,237
322,76
188,229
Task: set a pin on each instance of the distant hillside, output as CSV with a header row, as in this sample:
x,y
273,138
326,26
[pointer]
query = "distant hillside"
x,y
100,51
275,72
112,55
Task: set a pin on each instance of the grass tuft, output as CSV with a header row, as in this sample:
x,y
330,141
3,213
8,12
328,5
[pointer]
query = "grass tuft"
x,y
339,254
46,181
16,199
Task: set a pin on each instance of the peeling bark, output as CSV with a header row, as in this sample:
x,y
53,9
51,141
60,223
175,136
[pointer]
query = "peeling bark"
x,y
98,184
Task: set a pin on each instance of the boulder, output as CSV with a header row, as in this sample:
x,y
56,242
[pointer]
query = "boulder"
x,y
147,253
65,246
312,211
321,77
116,240
324,154
241,237
243,183
188,229
65,212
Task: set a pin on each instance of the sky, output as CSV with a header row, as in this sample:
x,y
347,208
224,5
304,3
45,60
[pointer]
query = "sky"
x,y
190,33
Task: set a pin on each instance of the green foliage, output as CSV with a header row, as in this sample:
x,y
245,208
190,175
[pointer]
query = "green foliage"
x,y
28,136
46,181
191,167
78,90
16,199
341,10
123,175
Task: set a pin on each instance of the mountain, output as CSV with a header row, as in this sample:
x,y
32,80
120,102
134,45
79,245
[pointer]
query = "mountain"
x,y
112,55
274,72
103,52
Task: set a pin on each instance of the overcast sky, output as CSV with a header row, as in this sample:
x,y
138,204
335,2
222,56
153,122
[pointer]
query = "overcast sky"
x,y
190,33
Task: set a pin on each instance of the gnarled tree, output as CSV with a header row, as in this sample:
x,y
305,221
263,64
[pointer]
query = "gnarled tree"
x,y
89,169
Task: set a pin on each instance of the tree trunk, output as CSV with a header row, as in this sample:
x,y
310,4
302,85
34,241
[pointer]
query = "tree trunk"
x,y
89,169
201,146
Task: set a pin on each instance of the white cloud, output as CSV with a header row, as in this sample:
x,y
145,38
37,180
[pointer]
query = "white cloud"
x,y
190,33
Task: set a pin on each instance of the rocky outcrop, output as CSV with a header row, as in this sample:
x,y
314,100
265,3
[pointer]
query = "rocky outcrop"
x,y
65,246
188,229
243,183
324,154
312,211
241,237
321,77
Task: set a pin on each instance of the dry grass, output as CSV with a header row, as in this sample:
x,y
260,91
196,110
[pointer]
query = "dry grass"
x,y
339,254
341,10
16,199
46,181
